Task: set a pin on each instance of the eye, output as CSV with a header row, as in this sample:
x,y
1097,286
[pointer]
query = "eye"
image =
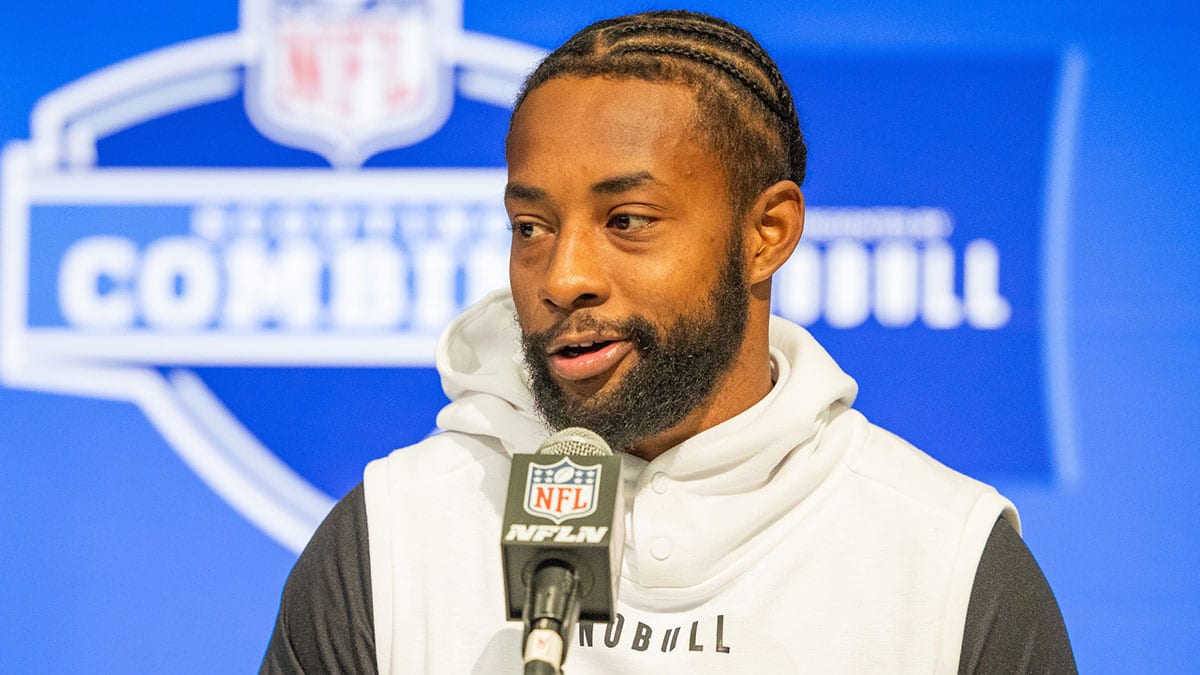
x,y
525,229
626,221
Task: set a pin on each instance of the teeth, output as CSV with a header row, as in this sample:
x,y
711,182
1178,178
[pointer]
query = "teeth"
x,y
573,349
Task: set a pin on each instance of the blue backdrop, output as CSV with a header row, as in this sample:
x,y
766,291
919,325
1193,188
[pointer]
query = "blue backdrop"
x,y
1002,248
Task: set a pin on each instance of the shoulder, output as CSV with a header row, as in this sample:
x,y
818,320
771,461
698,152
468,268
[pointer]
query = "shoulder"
x,y
325,615
1013,623
924,516
442,464
917,483
431,509
435,457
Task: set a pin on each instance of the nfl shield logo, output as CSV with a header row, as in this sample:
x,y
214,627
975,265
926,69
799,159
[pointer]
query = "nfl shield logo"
x,y
562,490
349,78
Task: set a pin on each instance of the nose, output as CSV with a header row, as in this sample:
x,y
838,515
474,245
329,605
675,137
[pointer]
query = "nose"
x,y
576,276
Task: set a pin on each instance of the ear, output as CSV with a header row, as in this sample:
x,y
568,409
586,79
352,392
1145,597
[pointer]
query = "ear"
x,y
775,224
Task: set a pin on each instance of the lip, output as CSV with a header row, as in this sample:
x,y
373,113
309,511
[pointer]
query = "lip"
x,y
574,339
587,365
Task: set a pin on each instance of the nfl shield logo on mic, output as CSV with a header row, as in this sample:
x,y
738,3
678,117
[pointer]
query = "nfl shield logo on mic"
x,y
561,491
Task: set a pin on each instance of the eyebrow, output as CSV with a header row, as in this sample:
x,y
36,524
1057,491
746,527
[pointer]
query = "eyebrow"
x,y
608,186
523,193
619,184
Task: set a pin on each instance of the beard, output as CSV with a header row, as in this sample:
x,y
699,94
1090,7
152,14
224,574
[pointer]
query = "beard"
x,y
677,369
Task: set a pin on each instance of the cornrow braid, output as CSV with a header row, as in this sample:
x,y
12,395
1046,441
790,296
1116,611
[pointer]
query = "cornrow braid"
x,y
746,110
690,22
687,26
685,23
706,57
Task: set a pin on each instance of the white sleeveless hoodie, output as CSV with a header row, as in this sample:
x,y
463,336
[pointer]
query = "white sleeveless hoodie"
x,y
796,537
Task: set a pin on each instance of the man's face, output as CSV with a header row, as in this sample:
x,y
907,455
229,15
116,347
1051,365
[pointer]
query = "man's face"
x,y
626,266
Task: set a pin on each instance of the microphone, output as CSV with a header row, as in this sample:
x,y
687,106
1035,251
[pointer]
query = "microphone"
x,y
561,542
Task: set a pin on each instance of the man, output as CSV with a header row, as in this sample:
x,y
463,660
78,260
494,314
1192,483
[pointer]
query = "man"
x,y
654,168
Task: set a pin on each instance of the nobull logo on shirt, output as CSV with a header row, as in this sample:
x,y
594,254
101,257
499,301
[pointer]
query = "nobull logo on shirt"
x,y
256,238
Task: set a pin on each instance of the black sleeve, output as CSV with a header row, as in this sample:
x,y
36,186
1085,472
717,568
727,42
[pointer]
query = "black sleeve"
x,y
325,623
1013,621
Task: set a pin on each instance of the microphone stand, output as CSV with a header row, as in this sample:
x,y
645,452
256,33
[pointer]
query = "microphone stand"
x,y
551,610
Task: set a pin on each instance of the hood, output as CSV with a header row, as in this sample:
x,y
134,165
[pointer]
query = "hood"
x,y
714,496
483,375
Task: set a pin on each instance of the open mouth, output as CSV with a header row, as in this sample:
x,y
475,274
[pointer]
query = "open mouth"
x,y
573,351
585,360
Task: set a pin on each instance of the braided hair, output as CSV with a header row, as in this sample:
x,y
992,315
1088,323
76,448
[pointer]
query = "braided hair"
x,y
745,109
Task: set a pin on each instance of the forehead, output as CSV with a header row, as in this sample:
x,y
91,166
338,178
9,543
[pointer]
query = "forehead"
x,y
616,125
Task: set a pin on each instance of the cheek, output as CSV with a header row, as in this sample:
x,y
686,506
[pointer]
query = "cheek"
x,y
524,292
669,285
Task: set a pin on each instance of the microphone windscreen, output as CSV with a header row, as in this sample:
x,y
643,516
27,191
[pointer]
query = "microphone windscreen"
x,y
575,441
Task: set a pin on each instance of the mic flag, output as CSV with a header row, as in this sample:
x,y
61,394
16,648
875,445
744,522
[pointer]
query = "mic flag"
x,y
564,513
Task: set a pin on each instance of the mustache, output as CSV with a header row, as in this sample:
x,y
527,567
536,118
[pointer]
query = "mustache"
x,y
637,329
